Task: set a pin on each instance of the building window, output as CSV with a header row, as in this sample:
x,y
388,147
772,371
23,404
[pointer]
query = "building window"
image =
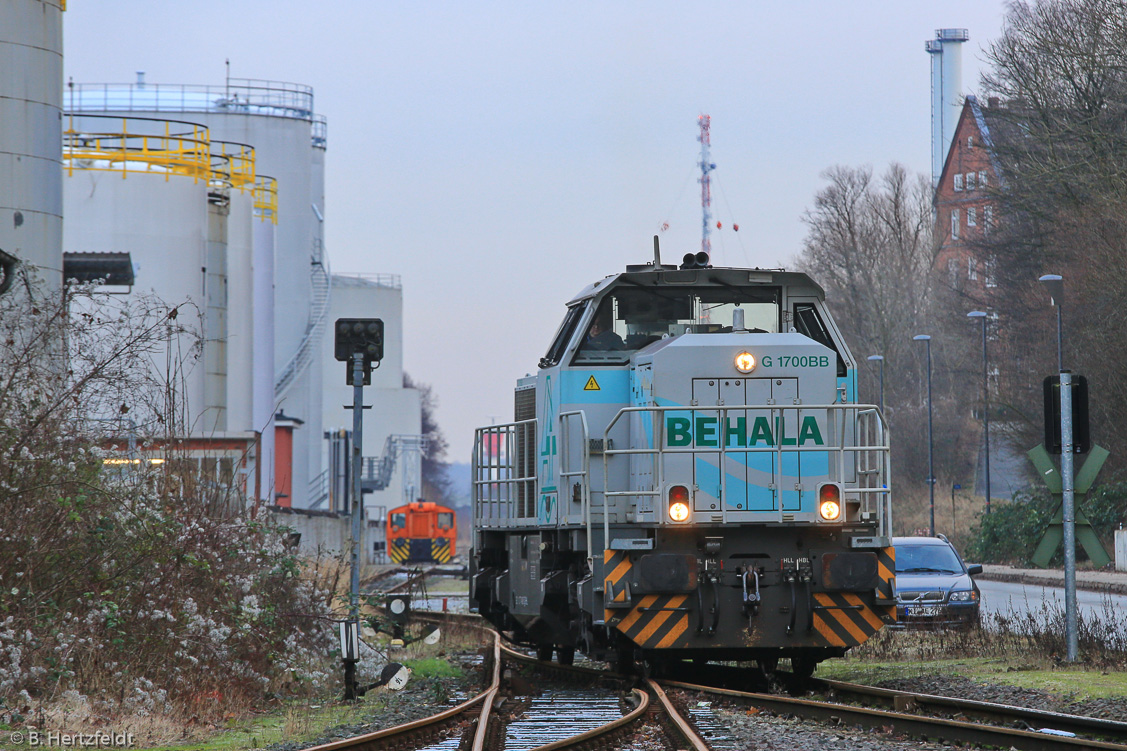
x,y
970,181
959,181
953,270
970,142
972,269
972,216
988,272
987,218
982,180
954,224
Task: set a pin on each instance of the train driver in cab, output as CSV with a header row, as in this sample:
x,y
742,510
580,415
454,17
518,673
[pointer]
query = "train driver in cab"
x,y
601,336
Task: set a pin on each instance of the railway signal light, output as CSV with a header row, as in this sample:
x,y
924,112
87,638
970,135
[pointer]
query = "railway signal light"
x,y
359,336
1081,431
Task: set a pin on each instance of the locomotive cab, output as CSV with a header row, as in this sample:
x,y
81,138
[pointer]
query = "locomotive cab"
x,y
688,475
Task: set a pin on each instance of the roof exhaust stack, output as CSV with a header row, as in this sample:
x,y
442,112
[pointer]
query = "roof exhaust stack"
x,y
698,260
946,52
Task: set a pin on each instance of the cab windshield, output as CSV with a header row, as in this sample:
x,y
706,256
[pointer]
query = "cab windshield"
x,y
632,317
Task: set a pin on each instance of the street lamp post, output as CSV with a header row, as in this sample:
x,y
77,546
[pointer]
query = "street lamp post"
x,y
1054,283
930,443
880,359
985,401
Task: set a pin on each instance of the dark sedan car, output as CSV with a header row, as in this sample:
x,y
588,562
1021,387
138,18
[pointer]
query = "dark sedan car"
x,y
934,588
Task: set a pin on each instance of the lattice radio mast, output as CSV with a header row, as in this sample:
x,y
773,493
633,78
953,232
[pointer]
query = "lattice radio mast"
x,y
706,166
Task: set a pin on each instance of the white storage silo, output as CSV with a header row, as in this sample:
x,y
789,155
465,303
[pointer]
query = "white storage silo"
x,y
31,93
277,120
154,207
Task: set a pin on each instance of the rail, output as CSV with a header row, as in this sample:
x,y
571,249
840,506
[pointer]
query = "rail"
x,y
266,199
583,473
125,145
238,95
392,737
497,479
130,145
948,730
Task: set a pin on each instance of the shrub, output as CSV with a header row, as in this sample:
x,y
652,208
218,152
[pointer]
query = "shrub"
x,y
1013,529
139,592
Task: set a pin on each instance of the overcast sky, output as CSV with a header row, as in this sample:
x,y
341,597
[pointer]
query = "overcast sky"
x,y
500,156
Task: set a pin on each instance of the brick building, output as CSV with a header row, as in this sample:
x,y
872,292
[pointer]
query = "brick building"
x,y
964,204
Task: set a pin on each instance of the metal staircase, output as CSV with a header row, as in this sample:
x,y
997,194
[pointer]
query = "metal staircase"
x,y
320,282
377,470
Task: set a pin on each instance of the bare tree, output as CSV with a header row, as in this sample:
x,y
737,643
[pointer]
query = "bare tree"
x,y
1060,138
871,245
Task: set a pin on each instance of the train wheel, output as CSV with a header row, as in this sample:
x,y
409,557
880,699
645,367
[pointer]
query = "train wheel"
x,y
624,661
565,655
803,667
768,666
544,652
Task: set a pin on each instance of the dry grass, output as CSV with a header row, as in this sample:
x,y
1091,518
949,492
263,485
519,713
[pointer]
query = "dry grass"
x,y
911,511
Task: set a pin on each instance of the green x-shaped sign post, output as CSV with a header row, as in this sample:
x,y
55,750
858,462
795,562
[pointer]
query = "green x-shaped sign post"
x,y
1085,535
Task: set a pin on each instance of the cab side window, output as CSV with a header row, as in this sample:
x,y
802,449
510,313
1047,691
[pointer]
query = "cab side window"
x,y
398,521
563,335
808,323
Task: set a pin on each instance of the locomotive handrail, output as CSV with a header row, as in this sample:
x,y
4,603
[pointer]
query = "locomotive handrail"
x,y
660,449
498,465
585,473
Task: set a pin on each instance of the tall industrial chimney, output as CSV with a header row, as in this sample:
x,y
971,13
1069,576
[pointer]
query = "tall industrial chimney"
x,y
946,52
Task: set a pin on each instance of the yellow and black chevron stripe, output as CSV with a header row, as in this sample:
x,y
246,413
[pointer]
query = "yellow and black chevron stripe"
x,y
842,619
657,622
399,550
616,565
886,591
440,549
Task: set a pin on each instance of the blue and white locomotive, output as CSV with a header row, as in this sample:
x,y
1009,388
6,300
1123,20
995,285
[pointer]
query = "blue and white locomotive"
x,y
688,475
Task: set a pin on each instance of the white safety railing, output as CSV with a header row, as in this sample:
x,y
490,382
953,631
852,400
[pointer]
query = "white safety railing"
x,y
859,453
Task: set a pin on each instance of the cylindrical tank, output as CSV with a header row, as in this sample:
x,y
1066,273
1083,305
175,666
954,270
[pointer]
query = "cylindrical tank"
x,y
277,120
31,95
161,216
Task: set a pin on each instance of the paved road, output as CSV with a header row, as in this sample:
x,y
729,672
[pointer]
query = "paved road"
x,y
1007,597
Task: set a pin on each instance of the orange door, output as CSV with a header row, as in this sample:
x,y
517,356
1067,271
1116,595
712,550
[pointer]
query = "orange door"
x,y
419,525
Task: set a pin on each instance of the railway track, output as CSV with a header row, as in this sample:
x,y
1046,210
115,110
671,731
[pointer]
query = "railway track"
x,y
479,716
477,725
1036,730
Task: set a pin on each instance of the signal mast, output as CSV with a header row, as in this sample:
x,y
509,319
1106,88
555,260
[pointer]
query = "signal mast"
x,y
706,166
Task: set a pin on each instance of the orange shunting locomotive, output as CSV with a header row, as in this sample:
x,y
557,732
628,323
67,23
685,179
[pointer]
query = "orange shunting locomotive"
x,y
421,532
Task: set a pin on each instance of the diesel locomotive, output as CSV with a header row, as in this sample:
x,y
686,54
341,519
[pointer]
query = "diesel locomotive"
x,y
688,475
421,532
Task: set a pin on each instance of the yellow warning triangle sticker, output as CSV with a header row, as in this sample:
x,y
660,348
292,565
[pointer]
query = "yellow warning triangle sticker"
x,y
592,385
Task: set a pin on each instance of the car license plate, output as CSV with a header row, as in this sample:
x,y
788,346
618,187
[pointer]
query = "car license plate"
x,y
922,611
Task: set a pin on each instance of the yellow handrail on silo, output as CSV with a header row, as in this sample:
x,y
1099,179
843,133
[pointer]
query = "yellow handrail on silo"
x,y
187,151
235,165
266,199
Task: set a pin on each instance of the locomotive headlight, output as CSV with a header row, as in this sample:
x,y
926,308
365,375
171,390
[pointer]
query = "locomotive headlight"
x,y
829,502
745,362
679,503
